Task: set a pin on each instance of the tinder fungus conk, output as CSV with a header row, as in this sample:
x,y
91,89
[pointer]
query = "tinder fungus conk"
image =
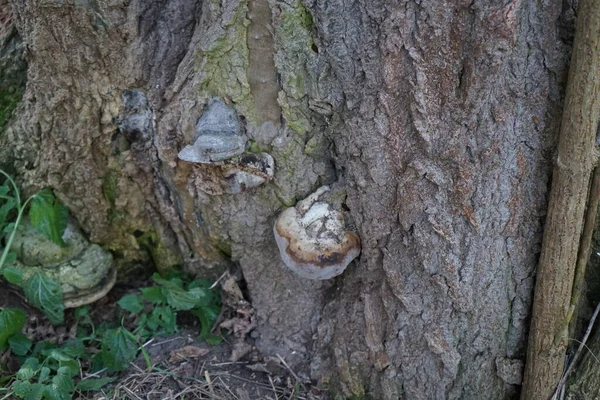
x,y
218,136
313,239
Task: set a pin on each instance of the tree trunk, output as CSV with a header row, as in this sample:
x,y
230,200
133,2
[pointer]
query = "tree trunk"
x,y
438,118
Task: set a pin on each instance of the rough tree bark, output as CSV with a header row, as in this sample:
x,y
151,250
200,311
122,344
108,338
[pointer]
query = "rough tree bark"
x,y
576,157
439,117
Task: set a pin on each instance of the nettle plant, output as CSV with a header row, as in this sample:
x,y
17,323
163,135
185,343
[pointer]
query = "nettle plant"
x,y
157,306
50,218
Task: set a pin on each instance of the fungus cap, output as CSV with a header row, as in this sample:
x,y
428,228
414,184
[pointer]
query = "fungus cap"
x,y
313,240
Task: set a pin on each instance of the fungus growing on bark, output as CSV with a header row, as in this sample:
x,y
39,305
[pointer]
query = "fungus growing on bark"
x,y
313,239
235,175
218,136
250,170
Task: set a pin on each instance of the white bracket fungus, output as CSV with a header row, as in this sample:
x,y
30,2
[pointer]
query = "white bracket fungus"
x,y
313,239
219,136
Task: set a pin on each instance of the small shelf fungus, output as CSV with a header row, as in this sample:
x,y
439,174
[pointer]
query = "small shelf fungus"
x,y
313,239
218,136
236,175
247,171
218,152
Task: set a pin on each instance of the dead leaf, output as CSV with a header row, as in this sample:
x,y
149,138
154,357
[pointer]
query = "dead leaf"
x,y
239,350
187,353
258,367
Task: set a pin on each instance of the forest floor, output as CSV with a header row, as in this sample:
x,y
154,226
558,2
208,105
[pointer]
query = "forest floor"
x,y
181,366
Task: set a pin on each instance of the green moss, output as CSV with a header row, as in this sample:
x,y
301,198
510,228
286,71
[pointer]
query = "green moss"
x,y
294,115
224,64
138,242
162,256
224,246
294,35
109,188
315,147
254,147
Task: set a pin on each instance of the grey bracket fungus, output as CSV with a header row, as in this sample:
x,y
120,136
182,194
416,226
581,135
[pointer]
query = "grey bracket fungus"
x,y
218,136
313,240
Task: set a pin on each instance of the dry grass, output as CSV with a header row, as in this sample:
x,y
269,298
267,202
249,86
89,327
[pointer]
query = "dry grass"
x,y
179,373
160,384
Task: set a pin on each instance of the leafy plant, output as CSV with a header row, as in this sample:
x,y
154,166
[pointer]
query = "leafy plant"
x,y
171,295
45,294
49,372
11,324
49,217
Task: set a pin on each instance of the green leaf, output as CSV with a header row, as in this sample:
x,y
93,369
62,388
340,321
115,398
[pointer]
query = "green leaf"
x,y
119,348
213,340
207,317
57,354
29,369
49,216
201,283
9,228
62,387
45,294
12,274
132,303
163,320
44,375
27,390
154,295
5,209
4,188
208,297
11,257
74,348
205,296
177,297
93,383
83,315
12,321
82,312
43,347
19,344
71,366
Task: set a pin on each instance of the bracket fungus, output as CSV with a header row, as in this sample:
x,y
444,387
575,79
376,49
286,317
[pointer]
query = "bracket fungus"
x,y
85,271
218,136
313,239
222,166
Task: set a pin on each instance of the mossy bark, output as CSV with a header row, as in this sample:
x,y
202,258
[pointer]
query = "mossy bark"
x,y
438,117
